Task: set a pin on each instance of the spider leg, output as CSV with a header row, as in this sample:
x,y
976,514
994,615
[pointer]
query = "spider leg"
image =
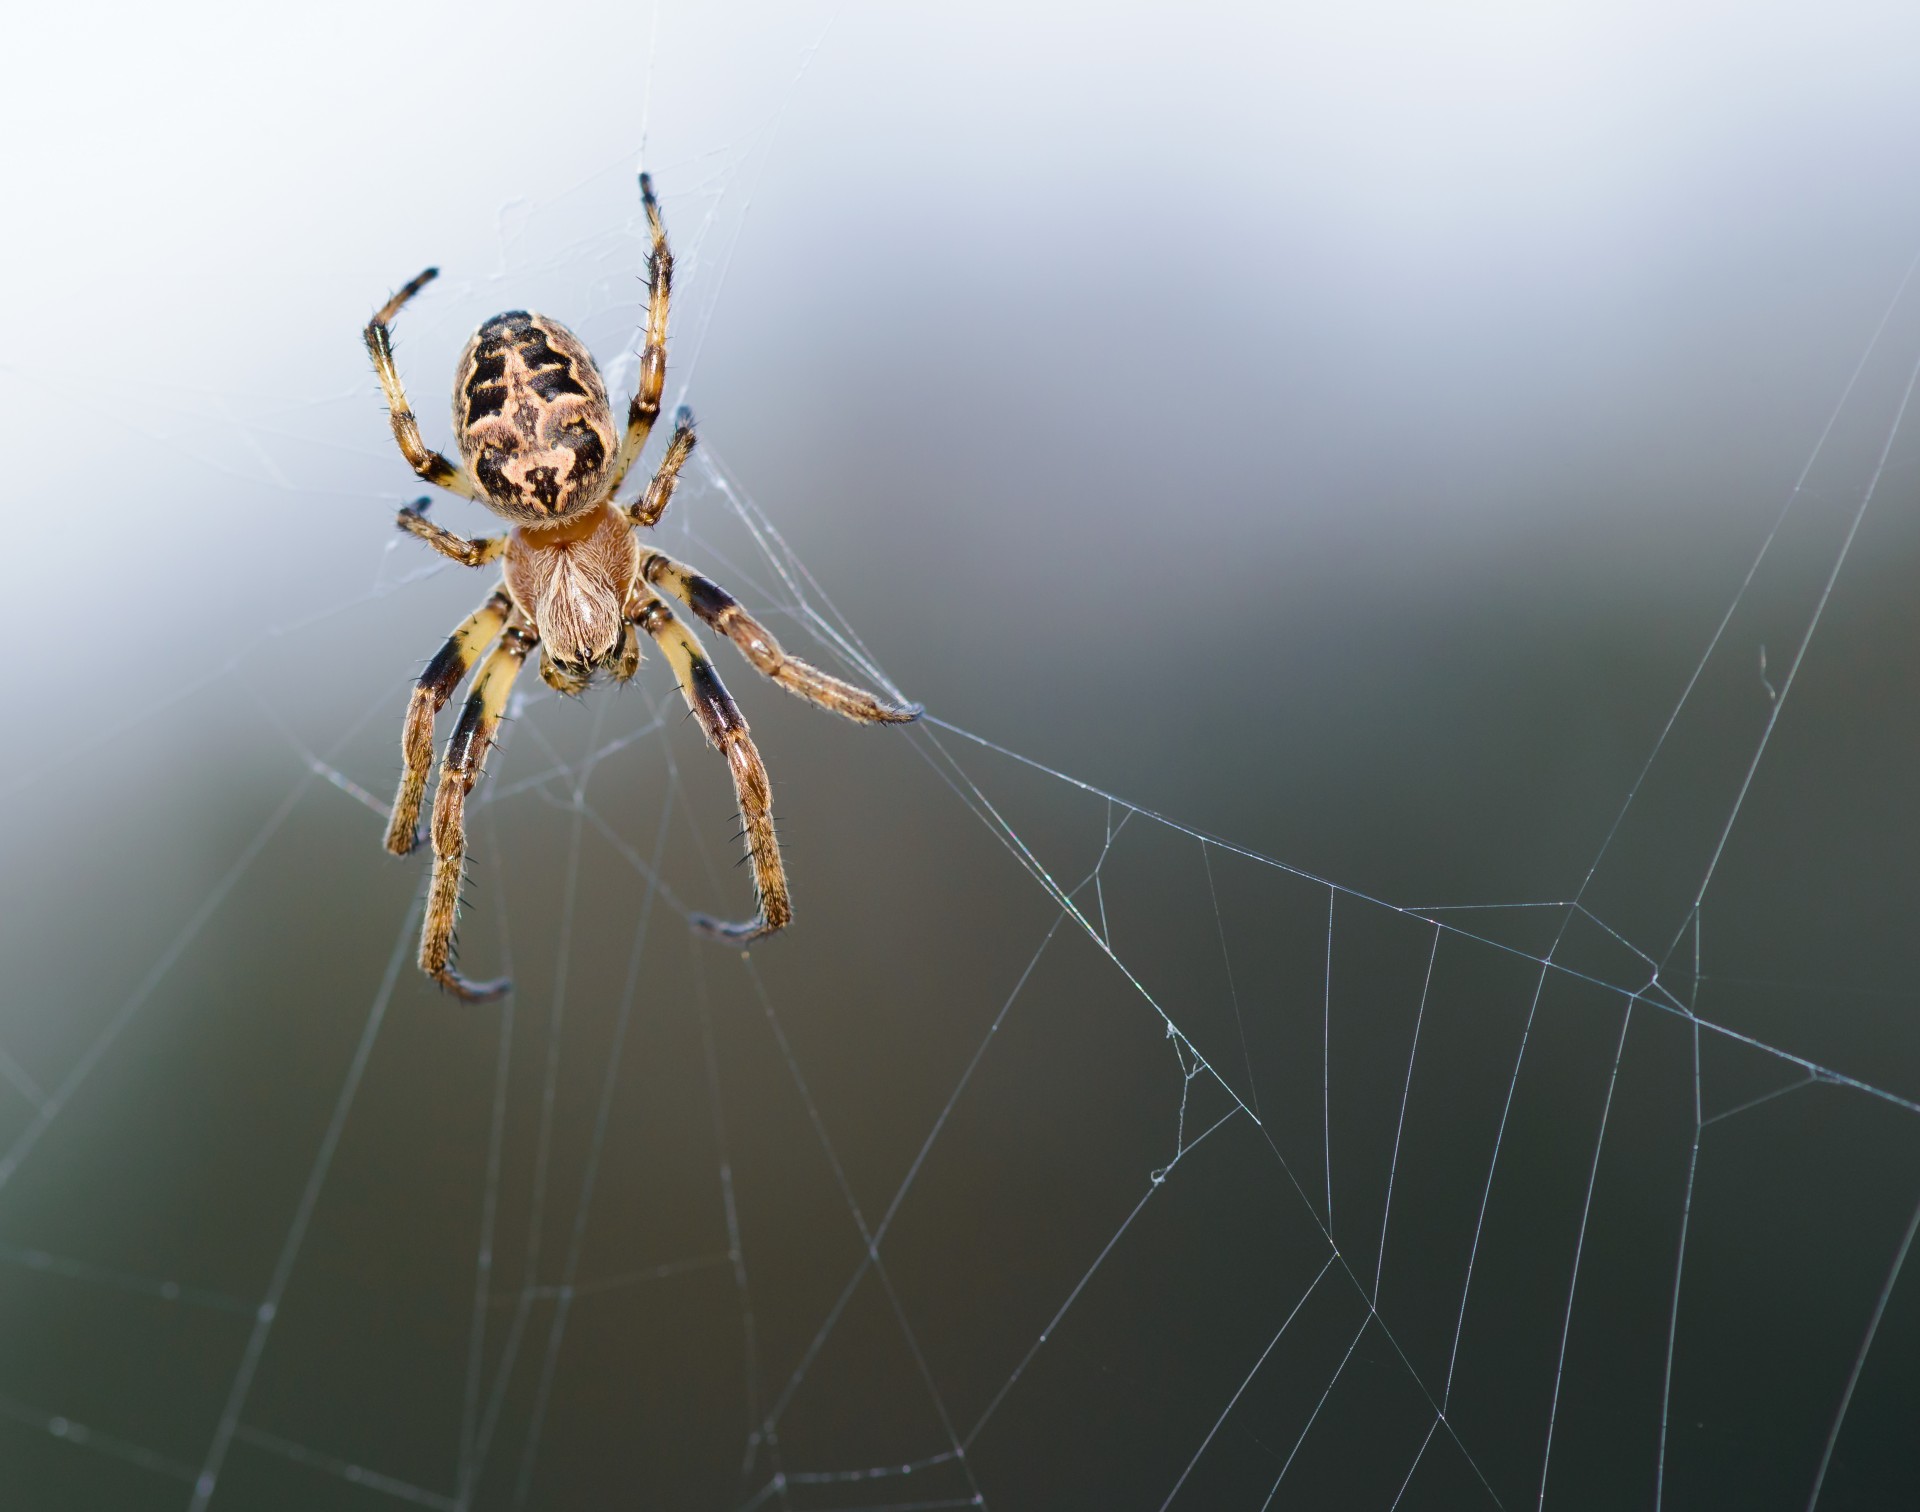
x,y
459,770
653,503
475,553
726,730
645,408
422,458
722,611
444,673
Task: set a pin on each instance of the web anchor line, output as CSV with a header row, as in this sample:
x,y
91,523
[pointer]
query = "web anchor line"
x,y
269,1310
971,794
1426,914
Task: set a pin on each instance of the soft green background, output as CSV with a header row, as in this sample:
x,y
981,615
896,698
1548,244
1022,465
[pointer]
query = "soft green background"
x,y
1340,430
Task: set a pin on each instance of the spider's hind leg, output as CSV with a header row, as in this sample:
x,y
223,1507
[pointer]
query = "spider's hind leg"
x,y
645,407
423,459
459,769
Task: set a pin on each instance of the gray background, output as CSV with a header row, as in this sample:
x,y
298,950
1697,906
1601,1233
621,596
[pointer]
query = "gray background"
x,y
1340,431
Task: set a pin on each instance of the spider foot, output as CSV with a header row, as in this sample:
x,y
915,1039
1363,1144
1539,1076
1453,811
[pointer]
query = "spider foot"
x,y
471,992
740,932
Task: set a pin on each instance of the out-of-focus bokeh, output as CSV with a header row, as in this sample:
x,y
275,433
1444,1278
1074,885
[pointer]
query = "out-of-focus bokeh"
x,y
1341,432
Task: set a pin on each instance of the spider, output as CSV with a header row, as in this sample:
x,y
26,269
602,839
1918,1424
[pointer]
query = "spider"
x,y
537,447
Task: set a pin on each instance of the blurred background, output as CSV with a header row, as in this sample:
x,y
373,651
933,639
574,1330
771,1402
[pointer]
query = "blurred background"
x,y
1339,430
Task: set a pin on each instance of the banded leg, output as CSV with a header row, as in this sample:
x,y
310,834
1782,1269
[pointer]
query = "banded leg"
x,y
422,458
722,611
653,503
444,673
645,408
475,553
726,730
459,770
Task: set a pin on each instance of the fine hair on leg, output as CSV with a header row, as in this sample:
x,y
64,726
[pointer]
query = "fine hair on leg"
x,y
721,610
726,731
460,768
653,503
475,553
423,459
645,408
444,673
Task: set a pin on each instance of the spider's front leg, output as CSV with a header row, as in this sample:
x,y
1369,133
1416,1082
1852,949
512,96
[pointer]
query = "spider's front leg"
x,y
726,730
723,611
459,770
423,459
444,673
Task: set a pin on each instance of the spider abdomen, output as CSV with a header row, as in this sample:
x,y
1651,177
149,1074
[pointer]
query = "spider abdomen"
x,y
531,415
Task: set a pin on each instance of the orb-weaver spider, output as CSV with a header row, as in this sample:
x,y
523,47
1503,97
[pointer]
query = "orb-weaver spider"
x,y
537,446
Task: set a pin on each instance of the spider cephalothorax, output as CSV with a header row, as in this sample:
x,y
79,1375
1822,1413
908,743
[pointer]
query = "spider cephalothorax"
x,y
537,445
577,577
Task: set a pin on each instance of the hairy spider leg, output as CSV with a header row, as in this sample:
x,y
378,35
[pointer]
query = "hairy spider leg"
x,y
653,503
475,553
423,459
645,408
722,610
444,673
726,731
459,770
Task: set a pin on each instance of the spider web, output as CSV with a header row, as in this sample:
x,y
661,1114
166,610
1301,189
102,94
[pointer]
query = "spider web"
x,y
1126,1166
